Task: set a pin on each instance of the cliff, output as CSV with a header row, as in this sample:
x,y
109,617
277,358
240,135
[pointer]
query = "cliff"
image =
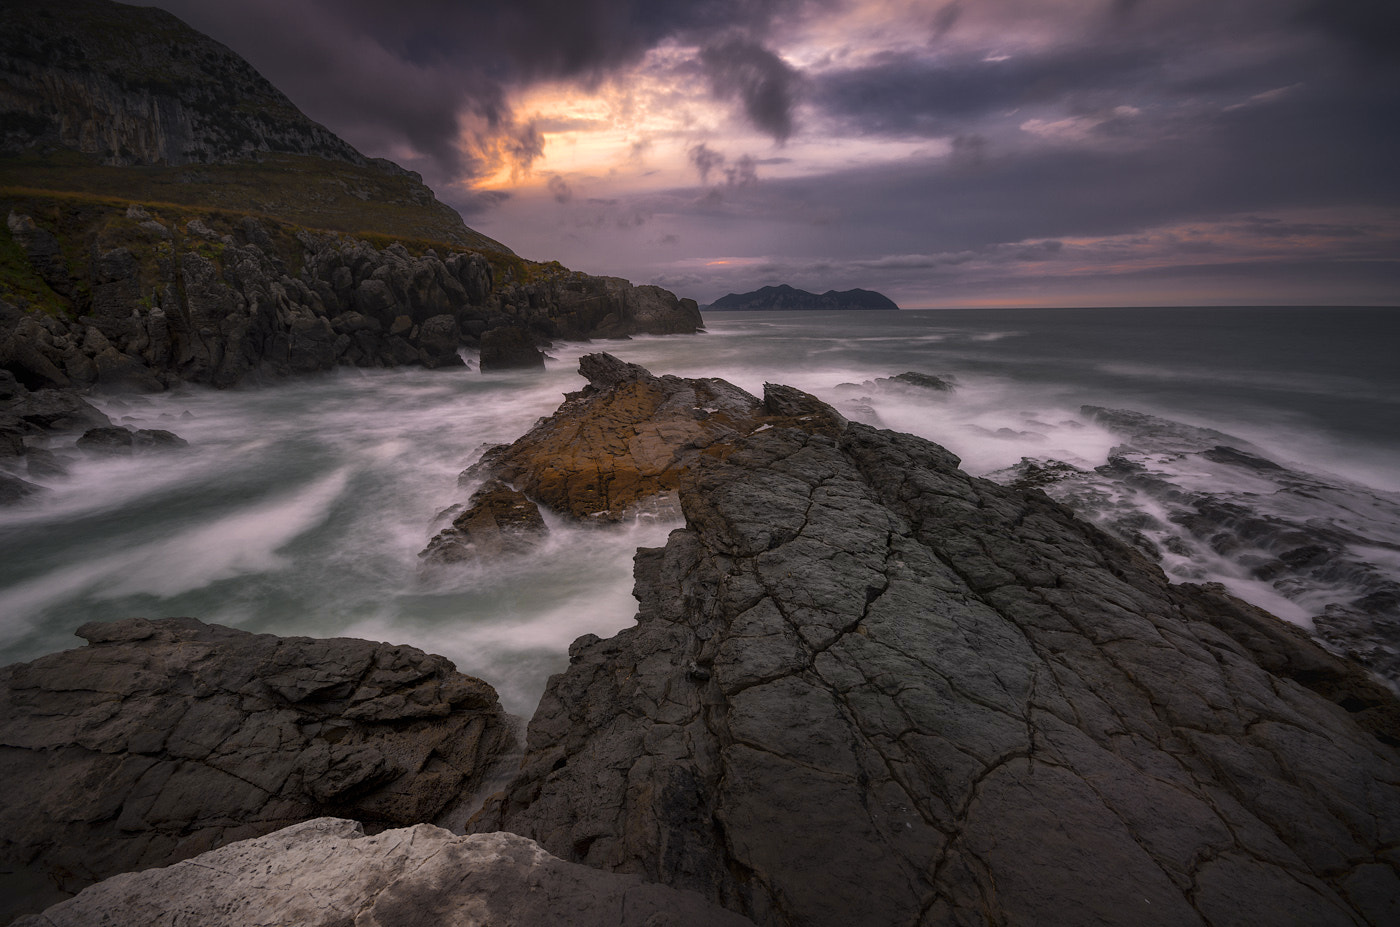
x,y
786,297
171,217
97,88
100,293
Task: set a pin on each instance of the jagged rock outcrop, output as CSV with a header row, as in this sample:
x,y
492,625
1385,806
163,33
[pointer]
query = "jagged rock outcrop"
x,y
163,739
1186,495
497,520
865,687
28,420
621,444
328,872
220,305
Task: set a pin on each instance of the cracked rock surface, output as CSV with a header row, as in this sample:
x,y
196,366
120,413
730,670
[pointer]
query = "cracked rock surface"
x,y
865,687
328,873
163,739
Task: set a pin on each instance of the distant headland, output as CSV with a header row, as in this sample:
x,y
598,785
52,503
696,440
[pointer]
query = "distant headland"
x,y
786,297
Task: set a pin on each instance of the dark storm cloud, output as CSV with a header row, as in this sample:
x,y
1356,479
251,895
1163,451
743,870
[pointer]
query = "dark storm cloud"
x,y
739,68
433,74
912,94
705,160
1370,27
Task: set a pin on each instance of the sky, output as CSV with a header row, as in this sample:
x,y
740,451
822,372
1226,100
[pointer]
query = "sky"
x,y
947,153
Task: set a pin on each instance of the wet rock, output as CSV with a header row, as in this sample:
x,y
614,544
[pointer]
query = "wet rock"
x,y
115,440
328,872
498,520
438,340
14,490
622,441
865,687
52,410
509,348
163,739
925,381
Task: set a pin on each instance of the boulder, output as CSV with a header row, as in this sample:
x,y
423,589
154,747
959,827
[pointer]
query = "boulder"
x,y
509,348
163,739
118,441
864,687
498,520
438,340
328,873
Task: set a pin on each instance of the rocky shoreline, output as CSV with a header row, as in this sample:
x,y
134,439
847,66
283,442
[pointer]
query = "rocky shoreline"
x,y
863,687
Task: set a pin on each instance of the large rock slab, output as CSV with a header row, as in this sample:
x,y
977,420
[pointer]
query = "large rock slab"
x,y
328,873
865,687
163,739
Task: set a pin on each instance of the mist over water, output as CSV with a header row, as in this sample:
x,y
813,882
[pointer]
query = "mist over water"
x,y
300,508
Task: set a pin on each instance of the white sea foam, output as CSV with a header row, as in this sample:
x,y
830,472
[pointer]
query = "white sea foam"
x,y
300,508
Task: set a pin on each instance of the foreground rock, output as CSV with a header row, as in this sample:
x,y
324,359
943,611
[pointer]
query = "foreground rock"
x,y
163,739
867,688
328,873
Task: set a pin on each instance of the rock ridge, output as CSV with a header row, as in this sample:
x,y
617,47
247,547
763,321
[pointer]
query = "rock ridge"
x,y
865,687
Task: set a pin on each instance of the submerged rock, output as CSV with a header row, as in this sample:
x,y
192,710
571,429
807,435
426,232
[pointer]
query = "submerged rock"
x,y
865,687
118,441
329,873
163,739
498,520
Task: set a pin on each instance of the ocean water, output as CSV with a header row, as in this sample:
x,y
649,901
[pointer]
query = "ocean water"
x,y
300,507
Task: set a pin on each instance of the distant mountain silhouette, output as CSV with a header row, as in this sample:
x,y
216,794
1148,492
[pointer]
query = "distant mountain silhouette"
x,y
786,297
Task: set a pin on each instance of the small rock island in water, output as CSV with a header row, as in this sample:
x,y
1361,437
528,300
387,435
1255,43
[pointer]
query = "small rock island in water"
x,y
786,297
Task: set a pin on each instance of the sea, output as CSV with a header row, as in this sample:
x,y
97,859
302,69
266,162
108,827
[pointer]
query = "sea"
x,y
300,506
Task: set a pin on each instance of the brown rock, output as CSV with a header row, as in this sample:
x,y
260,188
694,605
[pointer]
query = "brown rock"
x,y
623,441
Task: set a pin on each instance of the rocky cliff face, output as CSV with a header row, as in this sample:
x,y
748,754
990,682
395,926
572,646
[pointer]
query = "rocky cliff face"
x,y
145,299
135,85
160,740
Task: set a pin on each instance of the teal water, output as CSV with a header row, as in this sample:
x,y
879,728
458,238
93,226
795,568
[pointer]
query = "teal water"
x,y
300,508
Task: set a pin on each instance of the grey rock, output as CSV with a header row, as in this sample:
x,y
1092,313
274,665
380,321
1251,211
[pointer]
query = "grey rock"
x,y
328,873
119,441
865,687
509,348
52,410
163,739
438,340
14,490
